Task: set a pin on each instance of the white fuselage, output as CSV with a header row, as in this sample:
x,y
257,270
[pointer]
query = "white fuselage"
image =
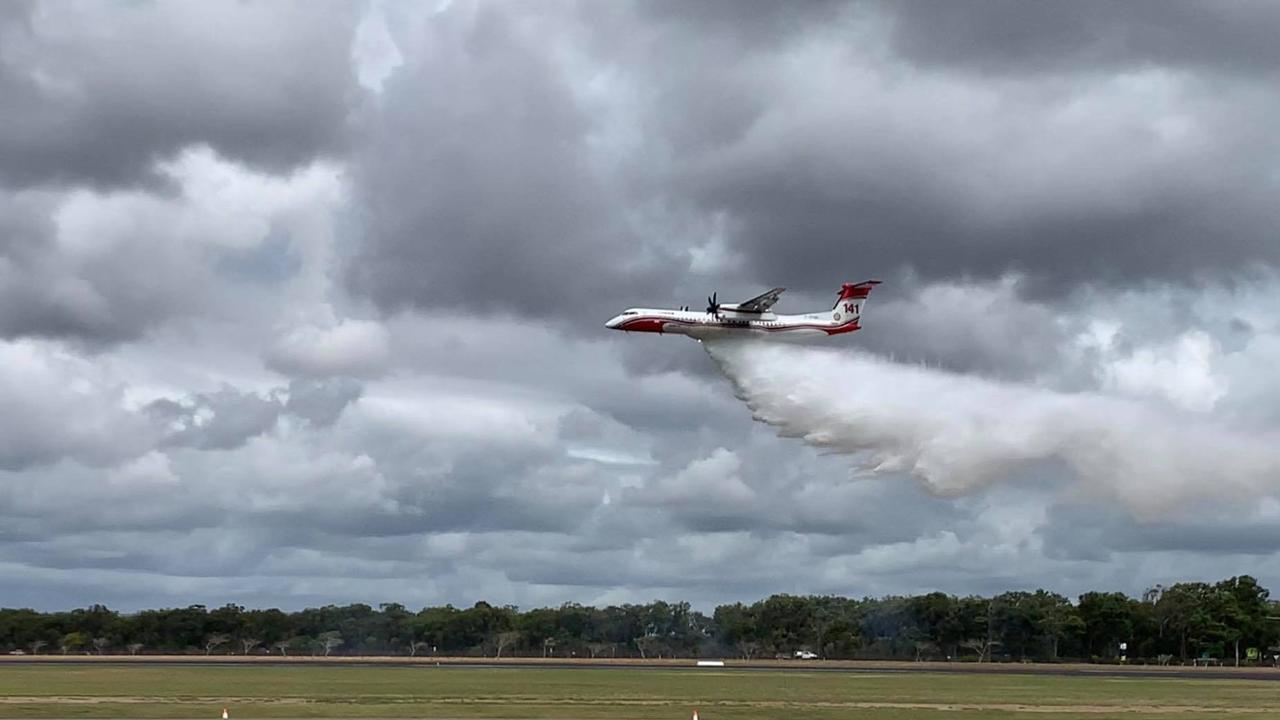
x,y
753,318
726,323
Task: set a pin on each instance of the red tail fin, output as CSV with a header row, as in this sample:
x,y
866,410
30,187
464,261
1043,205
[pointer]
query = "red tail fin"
x,y
858,291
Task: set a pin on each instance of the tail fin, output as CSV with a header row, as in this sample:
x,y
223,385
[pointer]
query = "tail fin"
x,y
852,296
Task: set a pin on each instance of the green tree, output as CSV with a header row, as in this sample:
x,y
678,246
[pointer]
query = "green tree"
x,y
939,619
1055,619
74,641
1240,607
1185,609
1108,620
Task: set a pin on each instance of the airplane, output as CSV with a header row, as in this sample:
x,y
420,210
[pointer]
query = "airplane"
x,y
753,318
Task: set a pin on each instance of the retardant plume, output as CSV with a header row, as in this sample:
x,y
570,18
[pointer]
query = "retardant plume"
x,y
957,432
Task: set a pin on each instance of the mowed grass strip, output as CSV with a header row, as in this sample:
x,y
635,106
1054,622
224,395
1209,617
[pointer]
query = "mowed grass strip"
x,y
88,691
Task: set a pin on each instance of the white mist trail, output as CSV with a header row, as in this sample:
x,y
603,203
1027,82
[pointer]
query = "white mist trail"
x,y
957,432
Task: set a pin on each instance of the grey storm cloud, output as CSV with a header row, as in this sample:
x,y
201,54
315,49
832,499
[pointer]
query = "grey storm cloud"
x,y
1074,144
228,418
98,93
316,291
321,402
1086,532
959,174
102,103
1010,37
216,421
482,185
97,297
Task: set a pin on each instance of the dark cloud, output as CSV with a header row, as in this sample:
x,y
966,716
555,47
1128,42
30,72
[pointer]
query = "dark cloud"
x,y
98,95
87,293
494,169
831,159
219,420
228,418
480,185
753,21
848,186
1094,36
1086,532
320,402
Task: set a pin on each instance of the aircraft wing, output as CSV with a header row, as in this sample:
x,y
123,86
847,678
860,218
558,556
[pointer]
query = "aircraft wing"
x,y
761,303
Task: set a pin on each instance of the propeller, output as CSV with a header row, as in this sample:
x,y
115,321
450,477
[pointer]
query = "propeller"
x,y
713,307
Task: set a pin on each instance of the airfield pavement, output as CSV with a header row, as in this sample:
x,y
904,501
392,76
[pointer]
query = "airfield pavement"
x,y
1186,672
155,688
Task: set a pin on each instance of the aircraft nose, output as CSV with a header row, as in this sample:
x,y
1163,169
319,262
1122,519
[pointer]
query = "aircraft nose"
x,y
614,322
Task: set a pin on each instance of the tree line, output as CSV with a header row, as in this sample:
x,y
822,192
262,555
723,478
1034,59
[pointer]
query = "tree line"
x,y
1233,621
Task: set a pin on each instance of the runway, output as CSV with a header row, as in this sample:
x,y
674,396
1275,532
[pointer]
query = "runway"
x,y
685,665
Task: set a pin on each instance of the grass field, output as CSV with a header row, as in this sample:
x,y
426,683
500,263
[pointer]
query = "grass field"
x,y
114,691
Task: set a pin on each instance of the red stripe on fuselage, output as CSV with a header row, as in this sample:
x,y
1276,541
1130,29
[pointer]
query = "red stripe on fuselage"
x,y
656,324
643,324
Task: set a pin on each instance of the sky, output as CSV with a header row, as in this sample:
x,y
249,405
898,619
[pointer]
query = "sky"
x,y
304,302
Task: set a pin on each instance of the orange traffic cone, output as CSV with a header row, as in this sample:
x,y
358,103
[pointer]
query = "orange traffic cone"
x,y
695,714
224,714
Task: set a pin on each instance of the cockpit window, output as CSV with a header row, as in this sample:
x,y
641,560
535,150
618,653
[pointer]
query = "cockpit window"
x,y
631,312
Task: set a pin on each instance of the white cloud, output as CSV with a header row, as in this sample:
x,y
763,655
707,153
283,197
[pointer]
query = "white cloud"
x,y
114,265
713,482
358,348
149,470
1181,372
374,51
56,404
